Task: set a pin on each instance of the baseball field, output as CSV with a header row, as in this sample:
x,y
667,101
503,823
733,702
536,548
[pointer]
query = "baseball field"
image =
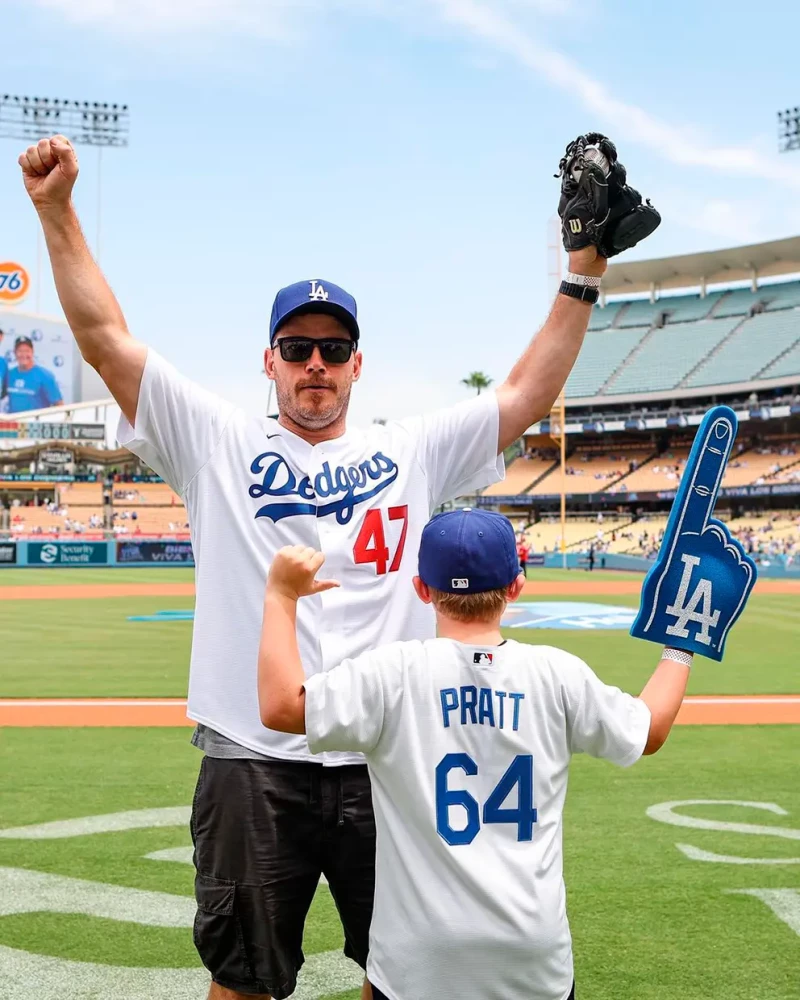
x,y
683,873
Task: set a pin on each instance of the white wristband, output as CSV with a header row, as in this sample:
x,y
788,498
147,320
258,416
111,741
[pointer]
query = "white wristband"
x,y
587,280
677,656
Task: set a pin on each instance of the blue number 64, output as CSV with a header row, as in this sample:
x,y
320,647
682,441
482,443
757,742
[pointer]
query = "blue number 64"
x,y
519,774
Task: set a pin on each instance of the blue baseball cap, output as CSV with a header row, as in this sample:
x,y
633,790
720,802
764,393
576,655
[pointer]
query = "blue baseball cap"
x,y
468,551
315,296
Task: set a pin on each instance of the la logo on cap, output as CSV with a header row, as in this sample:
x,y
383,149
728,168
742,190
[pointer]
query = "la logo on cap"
x,y
459,583
317,292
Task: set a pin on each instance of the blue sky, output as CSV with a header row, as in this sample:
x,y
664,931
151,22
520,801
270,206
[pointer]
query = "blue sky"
x,y
403,149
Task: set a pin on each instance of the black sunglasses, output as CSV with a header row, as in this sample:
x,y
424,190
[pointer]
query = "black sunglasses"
x,y
333,352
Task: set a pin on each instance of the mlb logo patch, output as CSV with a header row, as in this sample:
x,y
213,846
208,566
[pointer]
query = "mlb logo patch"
x,y
483,659
459,583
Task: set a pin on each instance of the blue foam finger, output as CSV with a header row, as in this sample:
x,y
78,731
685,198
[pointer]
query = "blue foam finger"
x,y
701,579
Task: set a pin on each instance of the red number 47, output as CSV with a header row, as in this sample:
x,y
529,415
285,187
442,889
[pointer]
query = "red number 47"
x,y
371,544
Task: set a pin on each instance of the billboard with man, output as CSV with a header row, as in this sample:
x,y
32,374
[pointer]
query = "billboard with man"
x,y
38,366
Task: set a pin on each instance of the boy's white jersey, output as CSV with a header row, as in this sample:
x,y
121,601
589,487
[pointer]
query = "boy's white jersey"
x,y
468,749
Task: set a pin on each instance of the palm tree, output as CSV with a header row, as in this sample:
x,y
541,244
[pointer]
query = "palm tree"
x,y
477,381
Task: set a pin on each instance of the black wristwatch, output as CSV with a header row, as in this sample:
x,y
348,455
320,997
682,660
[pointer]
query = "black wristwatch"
x,y
581,286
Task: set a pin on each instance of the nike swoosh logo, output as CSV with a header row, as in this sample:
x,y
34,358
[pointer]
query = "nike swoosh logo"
x,y
270,436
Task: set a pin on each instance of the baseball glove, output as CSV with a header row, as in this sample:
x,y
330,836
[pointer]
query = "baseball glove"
x,y
597,206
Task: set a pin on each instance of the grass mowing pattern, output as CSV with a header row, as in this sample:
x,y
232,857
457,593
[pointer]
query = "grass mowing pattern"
x,y
90,649
648,923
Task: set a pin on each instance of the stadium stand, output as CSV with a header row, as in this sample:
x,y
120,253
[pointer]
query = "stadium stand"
x,y
81,494
750,349
689,308
601,355
667,356
738,302
640,312
591,471
787,364
152,494
782,296
521,474
603,316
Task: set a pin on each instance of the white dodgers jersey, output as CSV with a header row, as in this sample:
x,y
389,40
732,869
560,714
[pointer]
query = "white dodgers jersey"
x,y
468,750
251,486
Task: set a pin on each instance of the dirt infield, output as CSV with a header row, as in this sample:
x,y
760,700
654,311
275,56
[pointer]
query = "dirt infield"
x,y
94,591
583,587
701,710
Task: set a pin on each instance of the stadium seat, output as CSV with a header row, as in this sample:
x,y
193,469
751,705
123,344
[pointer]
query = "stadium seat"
x,y
602,353
737,302
591,471
785,295
787,364
688,308
640,312
757,341
521,474
603,316
669,355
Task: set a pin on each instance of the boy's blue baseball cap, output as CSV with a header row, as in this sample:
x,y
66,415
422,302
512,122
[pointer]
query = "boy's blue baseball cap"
x,y
314,296
468,551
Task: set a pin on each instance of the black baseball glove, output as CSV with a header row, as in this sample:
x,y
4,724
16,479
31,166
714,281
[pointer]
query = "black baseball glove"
x,y
597,206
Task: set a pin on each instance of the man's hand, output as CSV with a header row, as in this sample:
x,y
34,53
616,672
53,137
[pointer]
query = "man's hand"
x,y
49,171
598,208
293,573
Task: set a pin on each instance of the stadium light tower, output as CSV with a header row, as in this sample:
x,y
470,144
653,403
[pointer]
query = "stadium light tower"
x,y
84,123
789,130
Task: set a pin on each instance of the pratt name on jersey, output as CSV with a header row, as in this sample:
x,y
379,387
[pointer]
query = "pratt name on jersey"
x,y
480,706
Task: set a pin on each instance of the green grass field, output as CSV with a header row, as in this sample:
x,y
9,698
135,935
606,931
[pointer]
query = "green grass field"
x,y
648,922
89,648
90,915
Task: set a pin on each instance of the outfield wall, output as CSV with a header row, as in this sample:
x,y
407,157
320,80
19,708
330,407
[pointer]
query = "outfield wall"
x,y
114,552
163,552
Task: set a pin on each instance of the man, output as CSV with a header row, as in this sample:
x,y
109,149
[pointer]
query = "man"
x,y
30,386
268,815
3,373
523,551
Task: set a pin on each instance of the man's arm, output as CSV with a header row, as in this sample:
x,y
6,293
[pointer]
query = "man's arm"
x,y
49,170
536,380
281,694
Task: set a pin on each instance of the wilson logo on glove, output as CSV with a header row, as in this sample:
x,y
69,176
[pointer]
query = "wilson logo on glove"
x,y
702,577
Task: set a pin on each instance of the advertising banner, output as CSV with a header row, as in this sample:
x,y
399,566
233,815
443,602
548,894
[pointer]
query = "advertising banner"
x,y
8,553
67,553
136,551
38,363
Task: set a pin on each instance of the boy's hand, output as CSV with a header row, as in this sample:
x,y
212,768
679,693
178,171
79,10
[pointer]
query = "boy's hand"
x,y
293,572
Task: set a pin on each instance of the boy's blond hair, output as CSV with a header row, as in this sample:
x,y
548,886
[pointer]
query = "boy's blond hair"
x,y
485,606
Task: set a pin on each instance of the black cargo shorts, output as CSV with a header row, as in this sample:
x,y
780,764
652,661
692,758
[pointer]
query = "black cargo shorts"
x,y
263,833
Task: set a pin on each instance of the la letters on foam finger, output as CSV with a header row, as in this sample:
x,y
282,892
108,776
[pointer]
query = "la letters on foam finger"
x,y
702,578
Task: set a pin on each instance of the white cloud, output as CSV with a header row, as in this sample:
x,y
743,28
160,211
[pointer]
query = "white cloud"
x,y
626,120
500,25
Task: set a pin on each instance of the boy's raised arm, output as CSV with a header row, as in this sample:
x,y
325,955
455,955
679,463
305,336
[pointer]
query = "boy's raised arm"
x,y
663,695
281,695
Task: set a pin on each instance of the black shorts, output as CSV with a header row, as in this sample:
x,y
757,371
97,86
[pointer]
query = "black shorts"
x,y
263,832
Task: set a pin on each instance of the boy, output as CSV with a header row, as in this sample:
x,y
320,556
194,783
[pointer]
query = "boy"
x,y
468,739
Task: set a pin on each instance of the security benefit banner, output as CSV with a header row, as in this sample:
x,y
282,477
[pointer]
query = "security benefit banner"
x,y
8,553
38,363
67,553
155,552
